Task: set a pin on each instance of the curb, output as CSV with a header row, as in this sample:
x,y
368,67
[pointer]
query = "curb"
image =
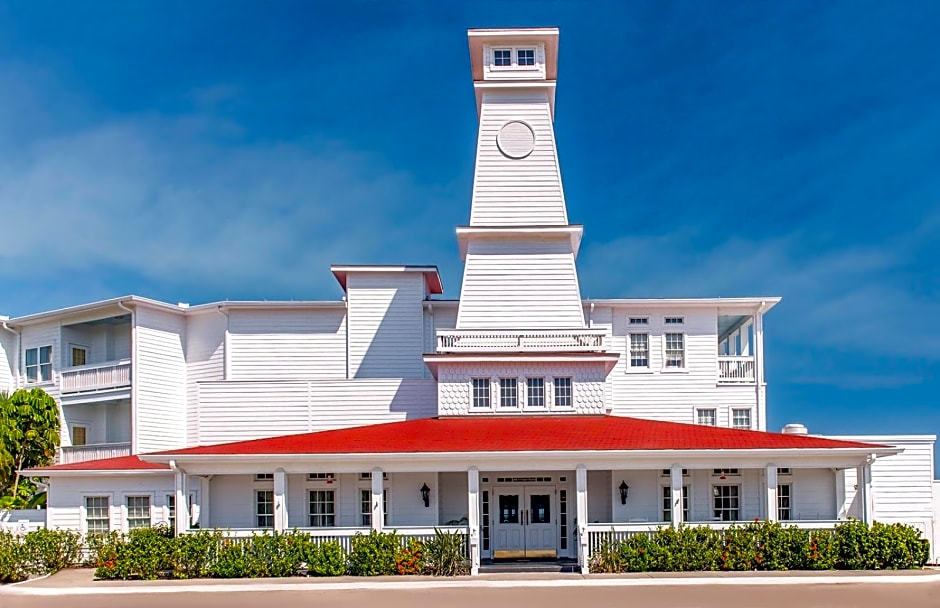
x,y
900,579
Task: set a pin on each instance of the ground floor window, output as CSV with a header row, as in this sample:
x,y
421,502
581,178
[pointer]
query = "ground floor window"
x,y
365,499
784,493
138,512
667,503
726,503
264,508
322,508
171,510
97,515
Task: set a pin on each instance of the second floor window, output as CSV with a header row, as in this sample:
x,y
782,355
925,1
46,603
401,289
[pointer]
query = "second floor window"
x,y
675,351
39,364
535,392
639,350
563,394
481,392
508,392
741,418
706,416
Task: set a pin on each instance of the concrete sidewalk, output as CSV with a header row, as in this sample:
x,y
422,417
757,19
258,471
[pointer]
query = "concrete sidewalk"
x,y
81,581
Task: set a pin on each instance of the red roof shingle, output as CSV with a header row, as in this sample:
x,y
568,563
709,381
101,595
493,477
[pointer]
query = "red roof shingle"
x,y
122,463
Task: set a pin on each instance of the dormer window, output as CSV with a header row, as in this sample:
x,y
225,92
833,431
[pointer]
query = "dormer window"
x,y
514,58
502,57
525,57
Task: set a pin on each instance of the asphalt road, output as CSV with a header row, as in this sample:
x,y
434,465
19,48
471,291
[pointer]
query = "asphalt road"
x,y
926,595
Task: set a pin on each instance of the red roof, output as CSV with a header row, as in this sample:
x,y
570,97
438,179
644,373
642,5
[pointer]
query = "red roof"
x,y
122,463
518,434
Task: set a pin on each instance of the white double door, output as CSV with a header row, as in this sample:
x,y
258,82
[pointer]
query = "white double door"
x,y
525,525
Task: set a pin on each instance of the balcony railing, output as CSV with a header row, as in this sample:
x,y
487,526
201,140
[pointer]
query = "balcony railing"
x,y
97,451
484,340
735,370
95,377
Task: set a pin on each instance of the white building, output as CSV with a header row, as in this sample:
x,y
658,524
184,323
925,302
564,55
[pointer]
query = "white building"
x,y
531,419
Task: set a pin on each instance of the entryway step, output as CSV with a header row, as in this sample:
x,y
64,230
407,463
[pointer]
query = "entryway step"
x,y
514,567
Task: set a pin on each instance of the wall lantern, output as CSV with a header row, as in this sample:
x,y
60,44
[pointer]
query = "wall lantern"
x,y
426,495
624,492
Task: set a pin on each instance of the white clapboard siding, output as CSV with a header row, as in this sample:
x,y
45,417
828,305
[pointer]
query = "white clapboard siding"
x,y
385,324
66,501
599,496
7,360
512,192
287,344
160,381
672,395
813,494
901,484
235,411
205,361
520,284
35,336
453,503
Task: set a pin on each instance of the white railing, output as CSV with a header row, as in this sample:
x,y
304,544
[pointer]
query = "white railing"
x,y
598,534
735,370
344,536
97,451
95,377
497,340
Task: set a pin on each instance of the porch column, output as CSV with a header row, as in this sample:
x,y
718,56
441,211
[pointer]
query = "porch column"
x,y
473,517
378,502
182,504
771,483
865,499
581,513
202,518
280,500
676,482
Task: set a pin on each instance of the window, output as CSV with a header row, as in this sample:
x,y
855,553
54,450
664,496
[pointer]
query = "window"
x,y
502,57
39,364
563,518
784,493
365,500
171,511
97,515
674,320
784,471
368,476
508,392
481,392
79,435
639,321
485,523
741,419
667,503
79,355
321,476
726,505
264,508
675,350
725,472
322,508
138,512
707,417
535,392
639,350
264,476
668,472
563,395
526,56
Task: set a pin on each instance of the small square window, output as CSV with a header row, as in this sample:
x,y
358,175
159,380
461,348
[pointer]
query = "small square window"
x,y
502,57
706,417
563,392
480,388
526,56
741,418
508,392
535,392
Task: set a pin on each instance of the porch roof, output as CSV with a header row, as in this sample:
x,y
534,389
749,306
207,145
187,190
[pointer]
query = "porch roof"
x,y
120,464
516,433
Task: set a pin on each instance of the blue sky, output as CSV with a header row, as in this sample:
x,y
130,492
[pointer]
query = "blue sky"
x,y
194,151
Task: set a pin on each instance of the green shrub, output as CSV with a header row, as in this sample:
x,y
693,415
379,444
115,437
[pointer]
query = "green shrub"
x,y
445,554
374,554
52,550
325,559
108,555
230,559
193,553
14,561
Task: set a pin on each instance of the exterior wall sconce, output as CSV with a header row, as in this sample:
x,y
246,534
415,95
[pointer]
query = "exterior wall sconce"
x,y
426,495
624,492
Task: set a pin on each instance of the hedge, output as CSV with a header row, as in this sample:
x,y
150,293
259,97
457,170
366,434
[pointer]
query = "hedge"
x,y
852,545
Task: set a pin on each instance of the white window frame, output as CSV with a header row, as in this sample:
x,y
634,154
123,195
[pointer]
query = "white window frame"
x,y
83,511
750,418
368,476
256,494
686,502
126,510
649,353
738,498
701,410
327,478
685,352
365,517
726,473
82,347
638,321
514,58
530,393
788,509
673,320
508,392
264,477
310,503
555,385
38,365
488,384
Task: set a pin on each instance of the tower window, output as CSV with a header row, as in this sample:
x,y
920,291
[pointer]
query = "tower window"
x,y
502,57
526,56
